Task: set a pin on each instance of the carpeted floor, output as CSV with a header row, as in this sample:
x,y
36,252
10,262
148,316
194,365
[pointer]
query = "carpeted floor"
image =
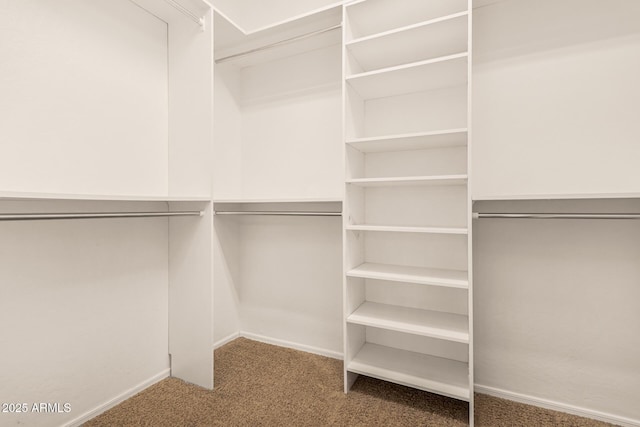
x,y
263,385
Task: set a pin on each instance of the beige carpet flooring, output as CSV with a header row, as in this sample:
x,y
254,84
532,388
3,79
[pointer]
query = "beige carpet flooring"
x,y
263,385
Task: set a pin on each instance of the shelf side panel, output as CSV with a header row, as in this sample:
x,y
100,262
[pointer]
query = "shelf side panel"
x,y
190,107
191,296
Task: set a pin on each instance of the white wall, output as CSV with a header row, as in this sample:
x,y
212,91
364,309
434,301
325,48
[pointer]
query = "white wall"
x,y
556,306
278,136
83,309
556,97
290,286
278,132
86,83
292,127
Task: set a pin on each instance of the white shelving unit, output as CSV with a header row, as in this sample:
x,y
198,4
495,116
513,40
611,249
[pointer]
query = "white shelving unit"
x,y
407,239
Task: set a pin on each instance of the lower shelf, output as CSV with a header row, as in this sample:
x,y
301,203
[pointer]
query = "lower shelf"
x,y
434,374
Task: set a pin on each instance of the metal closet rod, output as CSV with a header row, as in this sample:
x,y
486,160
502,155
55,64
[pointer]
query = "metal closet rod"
x,y
92,215
279,43
477,215
278,213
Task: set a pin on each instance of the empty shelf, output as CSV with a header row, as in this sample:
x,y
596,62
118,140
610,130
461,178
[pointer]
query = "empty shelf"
x,y
32,196
419,275
411,141
402,229
417,42
430,373
372,17
420,76
434,324
410,181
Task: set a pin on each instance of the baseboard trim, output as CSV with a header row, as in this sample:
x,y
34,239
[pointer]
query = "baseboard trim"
x,y
226,340
118,399
296,346
557,406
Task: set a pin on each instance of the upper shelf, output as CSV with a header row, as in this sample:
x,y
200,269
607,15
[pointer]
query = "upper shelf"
x,y
411,141
232,44
432,74
426,40
376,16
28,196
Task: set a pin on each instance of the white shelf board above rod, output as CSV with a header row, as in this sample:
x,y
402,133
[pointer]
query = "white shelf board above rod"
x,y
435,374
418,275
432,74
278,213
427,323
441,180
556,196
411,141
633,216
243,48
249,201
33,196
93,215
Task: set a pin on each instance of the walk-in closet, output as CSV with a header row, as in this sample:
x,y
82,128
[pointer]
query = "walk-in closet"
x,y
320,212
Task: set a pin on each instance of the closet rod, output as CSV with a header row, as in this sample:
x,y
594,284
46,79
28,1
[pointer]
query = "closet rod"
x,y
279,43
92,215
477,215
186,12
279,213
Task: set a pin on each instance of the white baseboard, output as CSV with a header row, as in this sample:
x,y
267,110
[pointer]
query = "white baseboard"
x,y
557,406
118,399
296,346
226,340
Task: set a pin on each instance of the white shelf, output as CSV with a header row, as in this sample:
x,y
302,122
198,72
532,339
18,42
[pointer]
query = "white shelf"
x,y
432,74
29,196
434,324
558,196
236,201
376,16
231,39
411,141
419,275
440,180
399,229
425,372
418,42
